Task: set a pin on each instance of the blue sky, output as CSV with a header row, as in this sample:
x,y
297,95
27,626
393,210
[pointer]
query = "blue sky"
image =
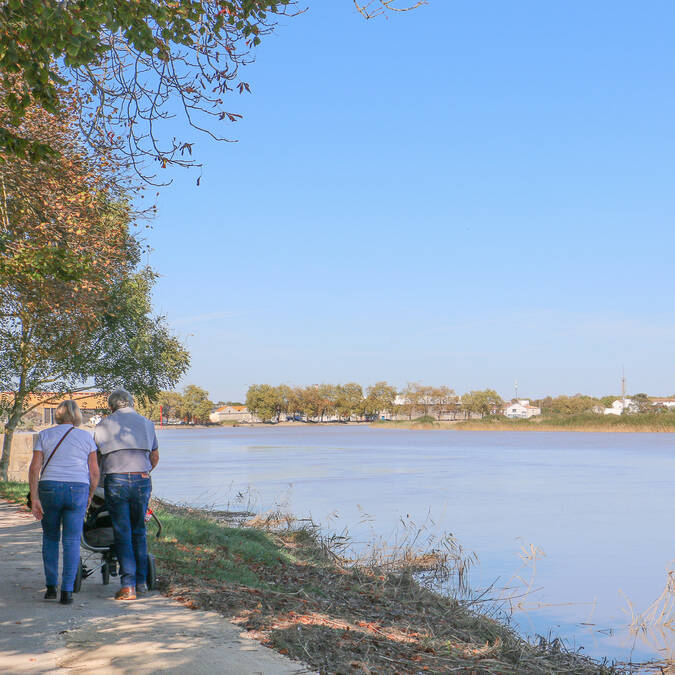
x,y
466,194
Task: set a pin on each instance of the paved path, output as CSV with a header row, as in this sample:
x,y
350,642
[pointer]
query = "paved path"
x,y
96,633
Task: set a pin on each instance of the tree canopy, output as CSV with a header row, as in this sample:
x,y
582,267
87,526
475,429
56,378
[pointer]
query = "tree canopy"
x,y
75,310
132,66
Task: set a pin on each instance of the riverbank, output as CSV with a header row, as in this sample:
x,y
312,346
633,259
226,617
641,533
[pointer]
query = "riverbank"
x,y
648,423
288,586
97,634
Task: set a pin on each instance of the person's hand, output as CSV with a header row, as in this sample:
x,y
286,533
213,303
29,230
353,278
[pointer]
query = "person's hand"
x,y
36,509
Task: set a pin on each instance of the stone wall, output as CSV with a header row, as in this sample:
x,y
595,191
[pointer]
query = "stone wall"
x,y
22,453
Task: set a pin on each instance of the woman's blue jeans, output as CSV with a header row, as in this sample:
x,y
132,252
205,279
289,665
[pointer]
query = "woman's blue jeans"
x,y
127,496
64,506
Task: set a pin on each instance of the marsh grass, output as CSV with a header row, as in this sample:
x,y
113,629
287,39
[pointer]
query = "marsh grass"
x,y
645,422
300,592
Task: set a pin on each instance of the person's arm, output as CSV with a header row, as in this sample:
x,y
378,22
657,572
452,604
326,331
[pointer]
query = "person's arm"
x,y
154,453
33,478
94,474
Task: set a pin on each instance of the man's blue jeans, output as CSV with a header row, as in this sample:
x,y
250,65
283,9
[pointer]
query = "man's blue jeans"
x,y
64,504
127,496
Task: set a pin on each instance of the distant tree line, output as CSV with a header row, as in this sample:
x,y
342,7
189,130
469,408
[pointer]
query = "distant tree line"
x,y
320,402
192,406
350,402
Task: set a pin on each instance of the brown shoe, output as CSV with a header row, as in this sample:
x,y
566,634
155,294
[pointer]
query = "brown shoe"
x,y
126,593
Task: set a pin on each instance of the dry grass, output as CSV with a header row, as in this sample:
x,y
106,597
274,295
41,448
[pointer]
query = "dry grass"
x,y
307,599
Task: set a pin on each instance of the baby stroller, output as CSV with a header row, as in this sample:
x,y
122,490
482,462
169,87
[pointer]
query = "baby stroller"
x,y
98,539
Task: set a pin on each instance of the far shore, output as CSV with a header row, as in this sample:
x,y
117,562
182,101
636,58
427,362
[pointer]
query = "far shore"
x,y
449,425
524,425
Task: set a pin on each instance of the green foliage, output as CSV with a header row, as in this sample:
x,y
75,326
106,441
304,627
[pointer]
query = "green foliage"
x,y
195,404
425,419
265,401
568,405
482,402
380,399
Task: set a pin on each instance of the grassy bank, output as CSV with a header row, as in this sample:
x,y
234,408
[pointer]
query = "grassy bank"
x,y
290,587
659,422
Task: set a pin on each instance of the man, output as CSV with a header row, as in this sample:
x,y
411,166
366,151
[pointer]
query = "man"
x,y
128,449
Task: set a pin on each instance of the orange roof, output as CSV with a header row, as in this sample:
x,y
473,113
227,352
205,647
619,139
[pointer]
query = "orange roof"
x,y
238,408
85,399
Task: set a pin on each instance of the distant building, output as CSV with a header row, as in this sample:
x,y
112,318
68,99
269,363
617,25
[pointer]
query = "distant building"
x,y
232,413
620,406
521,409
665,402
44,405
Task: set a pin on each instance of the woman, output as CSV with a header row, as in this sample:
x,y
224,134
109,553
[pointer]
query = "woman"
x,y
63,476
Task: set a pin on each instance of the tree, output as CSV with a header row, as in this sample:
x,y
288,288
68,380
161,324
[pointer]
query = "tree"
x,y
567,405
380,399
75,312
195,405
264,401
485,402
642,403
444,400
133,65
411,399
372,8
350,401
124,345
129,60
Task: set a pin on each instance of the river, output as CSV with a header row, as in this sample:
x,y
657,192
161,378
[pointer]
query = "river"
x,y
582,521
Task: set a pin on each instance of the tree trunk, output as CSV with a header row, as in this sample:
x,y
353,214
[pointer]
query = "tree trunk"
x,y
12,424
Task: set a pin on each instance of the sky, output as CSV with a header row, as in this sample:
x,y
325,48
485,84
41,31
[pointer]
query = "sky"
x,y
468,194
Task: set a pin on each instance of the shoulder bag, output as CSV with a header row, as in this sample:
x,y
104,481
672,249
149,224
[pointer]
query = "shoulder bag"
x,y
29,501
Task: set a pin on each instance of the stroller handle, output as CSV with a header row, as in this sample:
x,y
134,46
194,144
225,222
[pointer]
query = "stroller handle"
x,y
159,525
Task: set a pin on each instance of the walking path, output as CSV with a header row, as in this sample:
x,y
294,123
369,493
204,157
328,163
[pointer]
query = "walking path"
x,y
96,633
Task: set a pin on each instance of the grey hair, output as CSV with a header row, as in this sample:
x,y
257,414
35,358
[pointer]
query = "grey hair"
x,y
120,398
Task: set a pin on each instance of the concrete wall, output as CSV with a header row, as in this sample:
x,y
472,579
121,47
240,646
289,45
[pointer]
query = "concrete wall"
x,y
22,453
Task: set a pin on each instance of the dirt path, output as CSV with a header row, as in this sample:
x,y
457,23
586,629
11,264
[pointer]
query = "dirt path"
x,y
95,633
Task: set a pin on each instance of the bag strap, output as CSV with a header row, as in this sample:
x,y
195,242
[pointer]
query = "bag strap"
x,y
55,449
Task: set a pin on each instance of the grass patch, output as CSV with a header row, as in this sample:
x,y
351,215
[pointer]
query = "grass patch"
x,y
14,491
192,542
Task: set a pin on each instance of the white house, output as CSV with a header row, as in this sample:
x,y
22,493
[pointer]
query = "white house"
x,y
665,402
619,407
521,409
232,413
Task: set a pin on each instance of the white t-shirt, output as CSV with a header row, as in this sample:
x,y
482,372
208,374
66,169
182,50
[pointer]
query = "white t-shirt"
x,y
69,464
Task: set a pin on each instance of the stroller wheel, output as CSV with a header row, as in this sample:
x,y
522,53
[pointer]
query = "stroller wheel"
x,y
152,572
105,573
78,578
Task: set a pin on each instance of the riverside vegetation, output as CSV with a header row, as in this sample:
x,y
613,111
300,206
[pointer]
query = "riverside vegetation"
x,y
290,586
588,422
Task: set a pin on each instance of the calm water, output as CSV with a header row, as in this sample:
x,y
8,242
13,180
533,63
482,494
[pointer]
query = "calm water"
x,y
598,506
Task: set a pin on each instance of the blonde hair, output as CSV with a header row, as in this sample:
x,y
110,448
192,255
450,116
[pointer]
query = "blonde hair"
x,y
68,412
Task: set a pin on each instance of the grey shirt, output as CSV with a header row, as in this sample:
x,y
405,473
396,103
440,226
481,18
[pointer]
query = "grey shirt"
x,y
125,440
